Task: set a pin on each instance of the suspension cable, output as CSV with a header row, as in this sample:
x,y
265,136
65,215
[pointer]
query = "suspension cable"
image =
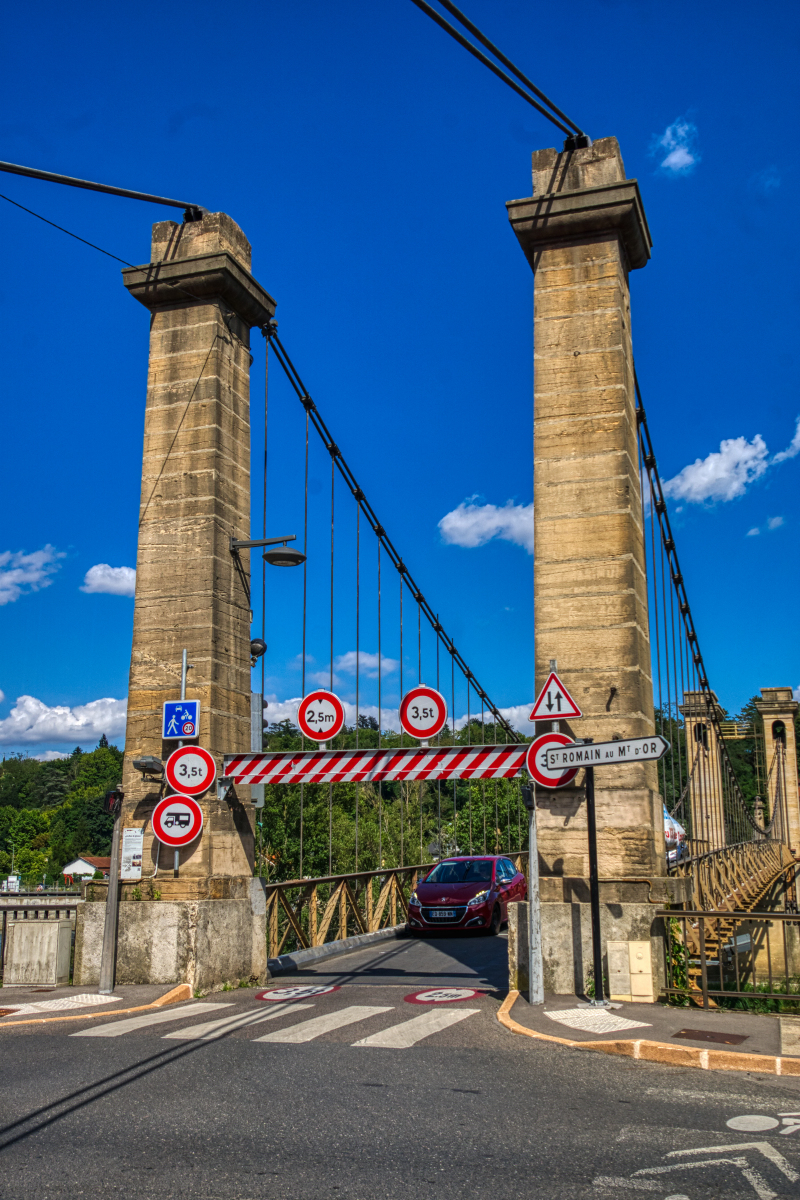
x,y
487,62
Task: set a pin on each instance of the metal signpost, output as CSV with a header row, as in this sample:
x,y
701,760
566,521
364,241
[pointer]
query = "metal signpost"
x,y
535,966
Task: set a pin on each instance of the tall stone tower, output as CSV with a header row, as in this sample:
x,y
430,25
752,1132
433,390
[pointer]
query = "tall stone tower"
x,y
583,231
196,927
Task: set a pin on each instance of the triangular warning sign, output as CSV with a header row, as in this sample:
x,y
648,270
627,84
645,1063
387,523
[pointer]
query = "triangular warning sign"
x,y
554,702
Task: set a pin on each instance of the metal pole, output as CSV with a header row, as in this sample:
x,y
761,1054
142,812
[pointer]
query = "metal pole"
x,y
594,887
108,962
535,967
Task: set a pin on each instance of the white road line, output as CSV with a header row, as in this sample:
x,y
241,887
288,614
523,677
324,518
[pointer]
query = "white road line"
x,y
306,1031
408,1033
209,1030
157,1017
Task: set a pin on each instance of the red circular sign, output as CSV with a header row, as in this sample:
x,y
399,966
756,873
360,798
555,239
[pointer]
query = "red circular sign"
x,y
442,996
320,715
177,820
423,712
190,770
537,766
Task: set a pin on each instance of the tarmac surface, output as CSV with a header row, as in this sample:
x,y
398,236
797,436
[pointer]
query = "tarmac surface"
x,y
357,1089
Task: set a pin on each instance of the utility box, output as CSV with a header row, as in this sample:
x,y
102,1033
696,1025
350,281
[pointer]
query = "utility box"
x,y
630,972
37,953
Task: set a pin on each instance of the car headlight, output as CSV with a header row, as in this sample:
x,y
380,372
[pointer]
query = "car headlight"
x,y
481,898
414,899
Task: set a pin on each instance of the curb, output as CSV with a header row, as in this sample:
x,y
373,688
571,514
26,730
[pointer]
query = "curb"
x,y
300,958
182,992
660,1052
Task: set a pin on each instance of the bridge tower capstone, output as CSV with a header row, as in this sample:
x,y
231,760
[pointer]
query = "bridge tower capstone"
x,y
201,927
583,230
778,710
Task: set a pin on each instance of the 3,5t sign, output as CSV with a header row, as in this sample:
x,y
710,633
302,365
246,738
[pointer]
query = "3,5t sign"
x,y
190,770
423,712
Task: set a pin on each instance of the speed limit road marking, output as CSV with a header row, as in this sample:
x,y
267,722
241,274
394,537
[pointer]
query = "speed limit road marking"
x,y
177,820
442,996
320,715
298,992
423,712
191,770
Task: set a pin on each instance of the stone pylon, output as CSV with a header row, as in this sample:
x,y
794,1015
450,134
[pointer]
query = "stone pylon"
x,y
203,301
778,710
705,774
583,231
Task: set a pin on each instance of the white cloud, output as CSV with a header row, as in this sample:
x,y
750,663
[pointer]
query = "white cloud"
x,y
792,449
722,475
473,524
51,755
796,692
680,142
765,182
115,581
368,663
754,532
32,721
23,573
774,522
2,696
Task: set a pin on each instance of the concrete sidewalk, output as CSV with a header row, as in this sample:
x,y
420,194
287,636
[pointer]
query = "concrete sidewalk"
x,y
62,1003
663,1033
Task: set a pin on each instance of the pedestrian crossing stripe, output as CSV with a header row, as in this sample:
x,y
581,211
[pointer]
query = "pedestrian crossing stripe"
x,y
400,1036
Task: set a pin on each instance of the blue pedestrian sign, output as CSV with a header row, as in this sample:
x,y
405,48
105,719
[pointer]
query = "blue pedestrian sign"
x,y
181,719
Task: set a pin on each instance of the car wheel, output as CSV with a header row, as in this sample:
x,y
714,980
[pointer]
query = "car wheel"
x,y
494,924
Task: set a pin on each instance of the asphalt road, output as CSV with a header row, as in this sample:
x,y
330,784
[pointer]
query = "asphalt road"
x,y
452,1106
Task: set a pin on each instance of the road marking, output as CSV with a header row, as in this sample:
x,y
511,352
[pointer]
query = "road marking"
x,y
306,1031
408,1033
209,1030
117,1028
752,1123
764,1148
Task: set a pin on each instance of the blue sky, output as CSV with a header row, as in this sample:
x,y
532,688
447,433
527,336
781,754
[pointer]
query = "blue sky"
x,y
368,159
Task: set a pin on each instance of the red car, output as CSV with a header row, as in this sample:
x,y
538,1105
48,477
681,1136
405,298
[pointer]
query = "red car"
x,y
466,893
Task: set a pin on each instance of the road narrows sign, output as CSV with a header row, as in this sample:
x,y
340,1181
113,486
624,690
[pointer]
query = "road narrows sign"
x,y
320,715
606,754
554,702
536,761
177,820
190,770
423,712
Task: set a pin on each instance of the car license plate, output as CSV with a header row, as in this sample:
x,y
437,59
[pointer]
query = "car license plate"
x,y
444,912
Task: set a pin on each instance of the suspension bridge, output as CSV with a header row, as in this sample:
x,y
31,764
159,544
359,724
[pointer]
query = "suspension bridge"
x,y
301,844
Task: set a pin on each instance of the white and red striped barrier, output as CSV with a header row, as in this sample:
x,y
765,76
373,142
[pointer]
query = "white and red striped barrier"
x,y
361,766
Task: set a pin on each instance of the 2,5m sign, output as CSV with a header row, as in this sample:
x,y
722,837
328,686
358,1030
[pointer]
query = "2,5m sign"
x,y
606,754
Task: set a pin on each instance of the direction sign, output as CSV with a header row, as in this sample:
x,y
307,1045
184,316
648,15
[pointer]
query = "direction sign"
x,y
554,702
320,715
606,754
177,820
423,712
181,719
536,761
190,769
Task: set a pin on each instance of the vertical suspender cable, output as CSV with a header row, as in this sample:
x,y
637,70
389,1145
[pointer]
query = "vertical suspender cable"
x,y
358,650
330,785
380,783
305,622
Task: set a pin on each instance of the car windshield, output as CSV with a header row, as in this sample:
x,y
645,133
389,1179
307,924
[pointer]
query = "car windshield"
x,y
474,870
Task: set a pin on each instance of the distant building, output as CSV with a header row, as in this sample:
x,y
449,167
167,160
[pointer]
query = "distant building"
x,y
85,868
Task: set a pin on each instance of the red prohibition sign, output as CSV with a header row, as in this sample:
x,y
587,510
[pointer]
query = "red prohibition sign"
x,y
191,770
534,761
177,820
320,715
423,712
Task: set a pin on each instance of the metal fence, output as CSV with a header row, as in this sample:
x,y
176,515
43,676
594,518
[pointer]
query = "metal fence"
x,y
734,960
302,913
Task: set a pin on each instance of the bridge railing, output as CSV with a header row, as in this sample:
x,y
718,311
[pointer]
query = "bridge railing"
x,y
303,913
734,960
